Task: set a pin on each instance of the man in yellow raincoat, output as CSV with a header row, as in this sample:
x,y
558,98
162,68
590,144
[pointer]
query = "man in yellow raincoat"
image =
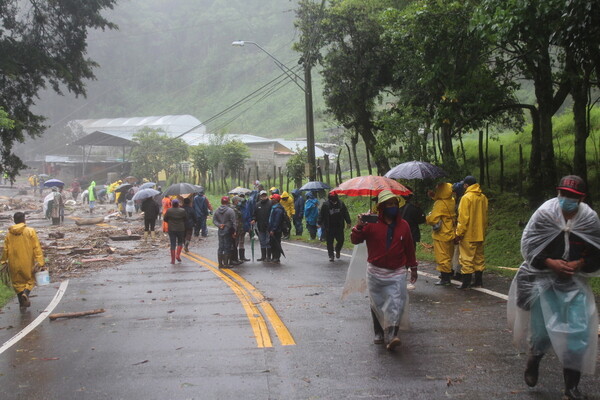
x,y
287,202
22,251
470,232
442,219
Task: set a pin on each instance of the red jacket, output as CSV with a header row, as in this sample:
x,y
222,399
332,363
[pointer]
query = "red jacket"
x,y
401,252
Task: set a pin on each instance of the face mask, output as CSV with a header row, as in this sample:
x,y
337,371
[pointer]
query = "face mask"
x,y
567,204
391,212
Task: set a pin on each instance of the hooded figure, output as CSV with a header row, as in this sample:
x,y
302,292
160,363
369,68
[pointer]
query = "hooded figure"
x,y
470,232
224,220
287,202
331,219
92,196
22,251
311,213
551,304
299,207
442,219
260,220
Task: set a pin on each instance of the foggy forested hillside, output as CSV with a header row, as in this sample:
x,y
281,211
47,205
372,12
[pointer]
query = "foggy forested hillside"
x,y
176,57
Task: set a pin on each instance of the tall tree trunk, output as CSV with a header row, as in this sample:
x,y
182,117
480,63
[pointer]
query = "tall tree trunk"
x,y
354,142
447,154
579,91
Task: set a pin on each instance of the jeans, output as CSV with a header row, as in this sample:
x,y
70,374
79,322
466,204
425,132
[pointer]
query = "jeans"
x,y
225,243
200,227
176,238
338,235
265,240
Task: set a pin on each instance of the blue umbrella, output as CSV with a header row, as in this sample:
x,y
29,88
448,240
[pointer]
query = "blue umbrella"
x,y
148,185
144,194
53,182
314,186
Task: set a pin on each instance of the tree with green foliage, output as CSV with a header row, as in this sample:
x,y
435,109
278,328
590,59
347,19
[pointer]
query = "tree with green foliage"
x,y
234,156
524,33
201,161
157,152
442,69
296,167
44,43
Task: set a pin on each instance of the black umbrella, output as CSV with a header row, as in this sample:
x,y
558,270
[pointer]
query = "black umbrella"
x,y
124,187
314,186
415,170
181,188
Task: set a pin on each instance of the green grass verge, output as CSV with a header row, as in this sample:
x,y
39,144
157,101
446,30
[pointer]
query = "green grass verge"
x,y
6,293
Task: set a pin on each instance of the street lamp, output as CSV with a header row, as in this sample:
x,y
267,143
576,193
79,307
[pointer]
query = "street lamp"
x,y
307,89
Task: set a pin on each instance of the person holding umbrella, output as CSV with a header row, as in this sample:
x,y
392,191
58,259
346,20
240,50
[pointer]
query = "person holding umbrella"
x,y
57,205
224,220
175,217
150,209
391,253
331,219
442,220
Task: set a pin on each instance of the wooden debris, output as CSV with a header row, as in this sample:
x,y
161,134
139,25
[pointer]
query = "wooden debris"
x,y
88,260
89,221
129,237
75,314
81,250
56,235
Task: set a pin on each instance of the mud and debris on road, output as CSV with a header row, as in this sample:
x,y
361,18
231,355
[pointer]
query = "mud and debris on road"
x,y
75,247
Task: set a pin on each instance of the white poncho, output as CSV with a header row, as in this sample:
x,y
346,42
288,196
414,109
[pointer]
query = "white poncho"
x,y
558,298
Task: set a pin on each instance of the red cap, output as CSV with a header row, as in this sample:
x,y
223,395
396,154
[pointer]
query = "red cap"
x,y
225,200
276,197
573,184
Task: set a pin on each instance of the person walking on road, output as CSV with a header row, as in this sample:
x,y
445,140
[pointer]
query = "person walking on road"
x,y
202,209
442,218
92,196
150,209
311,214
23,253
550,301
470,233
75,189
299,215
332,217
175,219
260,219
224,220
391,253
166,204
57,205
288,205
190,223
275,227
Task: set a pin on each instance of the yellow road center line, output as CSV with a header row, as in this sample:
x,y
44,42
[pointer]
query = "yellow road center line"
x,y
283,334
257,322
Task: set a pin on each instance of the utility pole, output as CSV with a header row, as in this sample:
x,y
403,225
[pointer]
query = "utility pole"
x,y
310,125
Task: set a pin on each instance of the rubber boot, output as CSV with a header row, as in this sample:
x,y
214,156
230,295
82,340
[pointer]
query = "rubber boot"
x,y
153,236
444,279
186,247
572,378
466,281
172,256
243,255
178,254
263,254
478,282
532,370
233,257
226,261
269,255
145,237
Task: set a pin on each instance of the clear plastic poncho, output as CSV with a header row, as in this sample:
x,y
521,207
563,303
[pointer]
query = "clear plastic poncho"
x,y
546,311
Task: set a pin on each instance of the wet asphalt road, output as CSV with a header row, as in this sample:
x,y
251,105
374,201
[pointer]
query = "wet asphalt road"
x,y
181,332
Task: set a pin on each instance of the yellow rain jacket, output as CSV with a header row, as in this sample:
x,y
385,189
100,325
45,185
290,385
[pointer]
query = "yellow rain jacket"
x,y
472,215
443,209
22,250
287,201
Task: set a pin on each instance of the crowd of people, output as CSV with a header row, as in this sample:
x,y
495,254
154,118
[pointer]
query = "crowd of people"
x,y
550,305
